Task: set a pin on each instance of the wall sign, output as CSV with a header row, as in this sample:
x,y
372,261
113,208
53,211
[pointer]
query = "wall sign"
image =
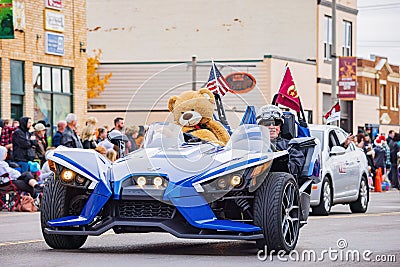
x,y
54,4
347,78
54,21
241,82
54,44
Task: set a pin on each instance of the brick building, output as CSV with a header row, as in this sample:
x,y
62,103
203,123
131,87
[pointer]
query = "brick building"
x,y
379,79
43,69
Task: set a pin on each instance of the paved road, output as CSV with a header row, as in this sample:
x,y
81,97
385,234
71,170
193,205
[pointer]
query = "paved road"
x,y
376,234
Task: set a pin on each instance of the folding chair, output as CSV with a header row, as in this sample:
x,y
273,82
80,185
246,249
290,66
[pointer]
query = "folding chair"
x,y
9,194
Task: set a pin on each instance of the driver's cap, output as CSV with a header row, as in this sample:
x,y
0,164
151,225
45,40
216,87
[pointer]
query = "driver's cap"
x,y
269,112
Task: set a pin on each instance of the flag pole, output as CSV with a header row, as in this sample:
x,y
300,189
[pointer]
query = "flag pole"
x,y
215,74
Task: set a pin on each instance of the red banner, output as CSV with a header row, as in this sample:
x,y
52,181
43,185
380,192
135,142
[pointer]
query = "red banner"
x,y
347,78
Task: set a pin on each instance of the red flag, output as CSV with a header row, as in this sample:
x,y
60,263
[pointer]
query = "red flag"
x,y
333,114
288,95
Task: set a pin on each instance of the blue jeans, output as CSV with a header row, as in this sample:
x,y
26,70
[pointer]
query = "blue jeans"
x,y
24,166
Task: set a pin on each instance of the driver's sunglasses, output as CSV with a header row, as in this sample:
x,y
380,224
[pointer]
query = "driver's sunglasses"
x,y
270,122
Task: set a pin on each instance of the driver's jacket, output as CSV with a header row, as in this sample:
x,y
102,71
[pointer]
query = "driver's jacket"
x,y
296,157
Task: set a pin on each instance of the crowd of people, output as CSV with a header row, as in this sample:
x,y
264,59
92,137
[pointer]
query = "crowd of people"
x,y
24,143
382,153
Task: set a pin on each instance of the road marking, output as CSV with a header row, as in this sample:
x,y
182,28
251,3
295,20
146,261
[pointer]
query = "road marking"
x,y
21,242
357,215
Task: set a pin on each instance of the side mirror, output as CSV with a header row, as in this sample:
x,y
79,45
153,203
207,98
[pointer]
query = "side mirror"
x,y
337,150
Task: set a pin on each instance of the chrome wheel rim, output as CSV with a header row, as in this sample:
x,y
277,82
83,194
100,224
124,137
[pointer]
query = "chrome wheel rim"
x,y
363,194
327,196
290,214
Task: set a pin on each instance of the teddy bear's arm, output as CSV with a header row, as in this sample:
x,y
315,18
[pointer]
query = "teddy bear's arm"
x,y
219,131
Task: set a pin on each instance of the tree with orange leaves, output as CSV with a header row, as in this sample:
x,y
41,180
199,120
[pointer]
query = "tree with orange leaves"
x,y
95,83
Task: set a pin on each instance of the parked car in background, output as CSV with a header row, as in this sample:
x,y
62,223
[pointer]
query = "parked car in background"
x,y
344,173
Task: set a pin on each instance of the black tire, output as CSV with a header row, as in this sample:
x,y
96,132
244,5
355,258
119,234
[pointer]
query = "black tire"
x,y
325,201
277,212
54,206
361,204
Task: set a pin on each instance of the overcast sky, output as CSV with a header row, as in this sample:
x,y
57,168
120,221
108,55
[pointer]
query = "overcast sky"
x,y
378,29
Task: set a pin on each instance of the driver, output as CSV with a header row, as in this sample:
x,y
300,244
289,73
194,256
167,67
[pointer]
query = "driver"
x,y
272,117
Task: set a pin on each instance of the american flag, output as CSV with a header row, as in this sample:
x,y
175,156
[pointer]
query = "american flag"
x,y
217,85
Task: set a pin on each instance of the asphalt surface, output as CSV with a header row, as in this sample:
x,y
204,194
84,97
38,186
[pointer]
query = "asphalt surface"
x,y
335,240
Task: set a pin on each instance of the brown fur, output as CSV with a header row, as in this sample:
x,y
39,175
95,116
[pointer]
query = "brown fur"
x,y
203,102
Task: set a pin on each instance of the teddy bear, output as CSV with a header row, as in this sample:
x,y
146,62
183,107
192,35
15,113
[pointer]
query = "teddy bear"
x,y
193,110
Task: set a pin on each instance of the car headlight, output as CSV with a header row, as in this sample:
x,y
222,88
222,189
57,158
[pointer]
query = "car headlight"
x,y
71,178
67,176
224,183
146,182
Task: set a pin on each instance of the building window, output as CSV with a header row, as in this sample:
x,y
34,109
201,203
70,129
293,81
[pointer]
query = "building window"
x,y
382,98
347,38
17,88
368,88
52,93
394,97
327,38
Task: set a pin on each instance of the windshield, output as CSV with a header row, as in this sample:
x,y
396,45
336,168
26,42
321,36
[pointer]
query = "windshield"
x,y
163,134
250,137
318,134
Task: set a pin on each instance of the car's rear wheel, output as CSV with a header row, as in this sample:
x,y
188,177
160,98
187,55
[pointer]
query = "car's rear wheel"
x,y
361,204
325,203
54,205
277,212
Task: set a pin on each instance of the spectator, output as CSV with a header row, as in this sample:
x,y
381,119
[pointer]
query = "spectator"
x,y
13,174
101,150
380,154
47,126
111,155
394,148
24,144
25,181
15,124
56,141
6,137
102,134
41,148
390,136
69,137
118,124
387,150
360,140
89,136
132,133
140,137
91,120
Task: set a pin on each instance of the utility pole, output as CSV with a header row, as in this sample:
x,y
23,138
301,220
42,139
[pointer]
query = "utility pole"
x,y
333,54
194,78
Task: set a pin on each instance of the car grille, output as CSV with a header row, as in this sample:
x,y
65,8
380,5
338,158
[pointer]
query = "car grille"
x,y
145,209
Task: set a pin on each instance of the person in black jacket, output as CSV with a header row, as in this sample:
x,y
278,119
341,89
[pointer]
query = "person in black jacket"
x,y
394,148
272,117
24,144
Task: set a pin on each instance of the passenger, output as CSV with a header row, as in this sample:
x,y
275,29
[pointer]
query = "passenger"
x,y
272,117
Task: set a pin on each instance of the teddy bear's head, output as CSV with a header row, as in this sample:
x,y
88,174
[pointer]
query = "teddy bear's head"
x,y
191,107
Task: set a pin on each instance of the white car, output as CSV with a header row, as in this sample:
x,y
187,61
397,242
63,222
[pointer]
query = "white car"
x,y
343,173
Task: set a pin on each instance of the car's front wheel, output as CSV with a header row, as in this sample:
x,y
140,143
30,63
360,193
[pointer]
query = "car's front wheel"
x,y
277,212
54,205
361,204
325,202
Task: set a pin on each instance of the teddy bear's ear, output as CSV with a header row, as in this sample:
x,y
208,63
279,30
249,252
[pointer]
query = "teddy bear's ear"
x,y
207,94
171,102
